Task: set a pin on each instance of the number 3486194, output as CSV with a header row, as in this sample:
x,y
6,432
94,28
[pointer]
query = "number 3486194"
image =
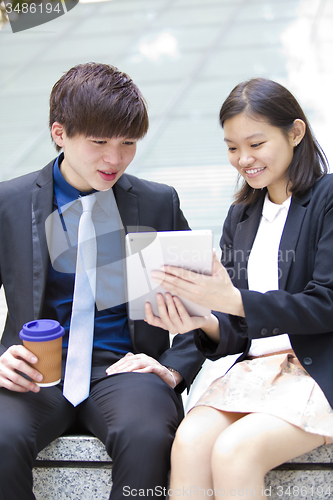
x,y
33,8
304,491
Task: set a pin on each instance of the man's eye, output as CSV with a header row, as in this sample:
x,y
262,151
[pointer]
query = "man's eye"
x,y
128,143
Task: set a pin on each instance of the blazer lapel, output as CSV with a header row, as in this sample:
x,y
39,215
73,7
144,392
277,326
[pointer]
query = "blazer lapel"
x,y
245,233
127,203
290,235
42,206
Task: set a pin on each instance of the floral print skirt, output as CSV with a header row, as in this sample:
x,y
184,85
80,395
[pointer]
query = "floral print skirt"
x,y
274,384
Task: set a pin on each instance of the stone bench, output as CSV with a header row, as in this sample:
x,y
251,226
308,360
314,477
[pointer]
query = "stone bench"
x,y
78,468
307,477
73,468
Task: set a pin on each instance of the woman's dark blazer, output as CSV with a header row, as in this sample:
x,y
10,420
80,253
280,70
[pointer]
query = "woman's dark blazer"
x,y
303,305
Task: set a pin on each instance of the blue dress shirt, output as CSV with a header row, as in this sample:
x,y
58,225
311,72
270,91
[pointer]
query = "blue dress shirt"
x,y
111,325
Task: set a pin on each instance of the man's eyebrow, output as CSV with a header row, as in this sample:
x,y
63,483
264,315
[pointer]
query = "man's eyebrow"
x,y
256,134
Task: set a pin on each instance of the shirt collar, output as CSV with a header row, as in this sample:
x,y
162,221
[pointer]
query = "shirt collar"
x,y
66,194
271,210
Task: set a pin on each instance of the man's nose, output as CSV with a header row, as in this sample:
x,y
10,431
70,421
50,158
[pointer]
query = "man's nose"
x,y
112,156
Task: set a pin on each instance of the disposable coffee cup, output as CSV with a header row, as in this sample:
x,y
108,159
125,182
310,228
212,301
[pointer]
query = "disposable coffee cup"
x,y
43,338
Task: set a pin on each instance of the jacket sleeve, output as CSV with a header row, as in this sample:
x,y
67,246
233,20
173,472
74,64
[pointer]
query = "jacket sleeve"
x,y
179,221
233,330
233,339
2,347
183,355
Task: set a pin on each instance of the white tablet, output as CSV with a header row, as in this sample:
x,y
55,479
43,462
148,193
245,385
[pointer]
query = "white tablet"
x,y
148,251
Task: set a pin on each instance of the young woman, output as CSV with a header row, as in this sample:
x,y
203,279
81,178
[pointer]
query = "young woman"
x,y
272,298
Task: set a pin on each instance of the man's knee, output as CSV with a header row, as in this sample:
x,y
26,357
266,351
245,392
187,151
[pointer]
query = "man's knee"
x,y
153,433
16,449
147,421
144,399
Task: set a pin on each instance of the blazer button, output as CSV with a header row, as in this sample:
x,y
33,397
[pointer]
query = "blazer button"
x,y
264,331
276,331
307,361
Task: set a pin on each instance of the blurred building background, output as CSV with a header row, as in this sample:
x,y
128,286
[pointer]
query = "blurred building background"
x,y
186,56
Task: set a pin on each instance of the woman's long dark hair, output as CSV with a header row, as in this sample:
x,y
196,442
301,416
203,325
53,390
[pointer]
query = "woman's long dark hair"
x,y
264,99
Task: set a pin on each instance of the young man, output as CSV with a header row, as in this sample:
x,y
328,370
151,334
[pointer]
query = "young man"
x,y
133,404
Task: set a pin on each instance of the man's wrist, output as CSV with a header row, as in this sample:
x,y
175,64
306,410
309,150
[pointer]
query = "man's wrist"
x,y
175,375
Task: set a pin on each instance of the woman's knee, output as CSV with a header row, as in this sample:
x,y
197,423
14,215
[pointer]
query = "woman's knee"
x,y
198,432
236,453
187,434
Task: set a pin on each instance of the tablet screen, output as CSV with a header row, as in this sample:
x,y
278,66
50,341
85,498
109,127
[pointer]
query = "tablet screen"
x,y
148,251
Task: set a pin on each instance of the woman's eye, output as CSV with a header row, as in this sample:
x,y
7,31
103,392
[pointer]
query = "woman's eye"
x,y
231,149
256,145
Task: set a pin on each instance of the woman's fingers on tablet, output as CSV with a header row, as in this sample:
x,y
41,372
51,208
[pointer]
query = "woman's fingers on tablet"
x,y
178,317
168,316
176,284
173,316
163,320
179,272
176,309
168,312
151,318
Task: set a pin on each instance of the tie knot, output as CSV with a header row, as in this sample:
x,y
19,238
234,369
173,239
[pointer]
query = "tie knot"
x,y
88,202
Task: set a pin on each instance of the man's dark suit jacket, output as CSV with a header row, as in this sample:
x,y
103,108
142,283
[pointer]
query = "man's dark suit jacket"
x,y
25,204
303,305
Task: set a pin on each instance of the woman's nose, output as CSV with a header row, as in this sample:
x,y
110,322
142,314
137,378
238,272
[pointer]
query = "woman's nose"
x,y
245,160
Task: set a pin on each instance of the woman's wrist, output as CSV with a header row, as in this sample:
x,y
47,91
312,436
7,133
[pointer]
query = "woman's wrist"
x,y
212,328
236,304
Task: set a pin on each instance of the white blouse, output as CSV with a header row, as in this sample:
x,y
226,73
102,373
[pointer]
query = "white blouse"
x,y
263,271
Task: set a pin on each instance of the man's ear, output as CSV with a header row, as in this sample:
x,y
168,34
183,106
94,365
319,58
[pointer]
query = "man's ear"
x,y
297,132
58,134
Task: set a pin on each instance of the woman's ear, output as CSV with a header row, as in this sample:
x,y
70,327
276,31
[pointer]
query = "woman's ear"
x,y
58,134
297,132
